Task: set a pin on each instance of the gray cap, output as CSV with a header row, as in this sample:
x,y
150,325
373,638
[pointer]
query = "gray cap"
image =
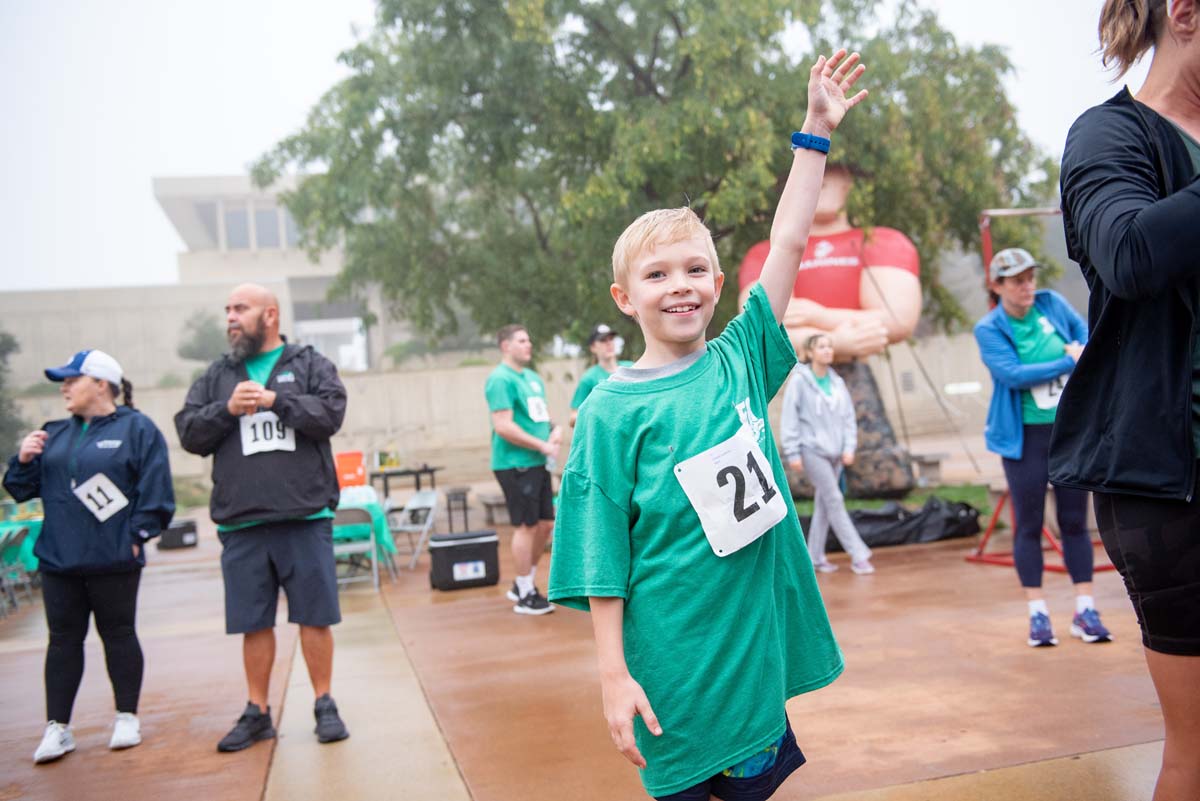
x,y
1011,261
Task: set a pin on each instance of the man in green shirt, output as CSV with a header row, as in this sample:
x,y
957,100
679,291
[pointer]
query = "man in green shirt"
x,y
522,439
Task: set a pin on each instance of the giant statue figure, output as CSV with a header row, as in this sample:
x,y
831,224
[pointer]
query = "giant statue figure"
x,y
862,288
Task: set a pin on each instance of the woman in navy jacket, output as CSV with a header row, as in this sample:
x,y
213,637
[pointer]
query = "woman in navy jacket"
x,y
1030,342
105,485
1131,425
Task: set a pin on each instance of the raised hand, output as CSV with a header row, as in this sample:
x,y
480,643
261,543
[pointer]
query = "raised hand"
x,y
829,84
32,446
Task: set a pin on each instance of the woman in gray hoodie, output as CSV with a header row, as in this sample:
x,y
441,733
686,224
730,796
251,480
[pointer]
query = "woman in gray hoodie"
x,y
819,438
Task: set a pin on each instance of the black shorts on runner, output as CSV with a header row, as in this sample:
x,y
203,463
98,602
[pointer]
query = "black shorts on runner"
x,y
788,758
296,555
527,494
1155,544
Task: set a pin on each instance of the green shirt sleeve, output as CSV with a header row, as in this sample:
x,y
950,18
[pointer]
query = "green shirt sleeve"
x,y
587,382
762,340
499,393
592,554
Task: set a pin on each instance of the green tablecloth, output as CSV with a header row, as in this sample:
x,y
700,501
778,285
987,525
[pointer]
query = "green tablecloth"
x,y
25,554
384,544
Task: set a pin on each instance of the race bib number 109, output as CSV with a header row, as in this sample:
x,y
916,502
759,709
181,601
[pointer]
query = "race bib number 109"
x,y
732,488
264,432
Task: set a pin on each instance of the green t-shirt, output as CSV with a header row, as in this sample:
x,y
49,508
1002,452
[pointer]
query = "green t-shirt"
x,y
825,383
1193,149
525,394
588,381
1037,342
717,643
258,368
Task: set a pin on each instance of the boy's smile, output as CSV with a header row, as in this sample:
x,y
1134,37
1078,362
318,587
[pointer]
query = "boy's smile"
x,y
672,292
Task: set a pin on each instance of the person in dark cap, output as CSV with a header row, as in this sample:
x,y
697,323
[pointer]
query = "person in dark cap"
x,y
105,483
602,343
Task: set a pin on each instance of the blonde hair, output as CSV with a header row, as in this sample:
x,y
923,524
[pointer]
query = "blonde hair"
x,y
659,227
1128,29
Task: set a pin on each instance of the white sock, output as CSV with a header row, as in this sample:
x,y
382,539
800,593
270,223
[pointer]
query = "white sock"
x,y
524,586
1083,603
533,574
1038,606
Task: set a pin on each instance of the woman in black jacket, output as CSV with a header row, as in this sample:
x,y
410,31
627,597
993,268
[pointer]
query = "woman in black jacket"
x,y
105,485
1128,426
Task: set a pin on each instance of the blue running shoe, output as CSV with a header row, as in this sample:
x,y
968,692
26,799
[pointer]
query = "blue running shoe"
x,y
1040,633
1087,626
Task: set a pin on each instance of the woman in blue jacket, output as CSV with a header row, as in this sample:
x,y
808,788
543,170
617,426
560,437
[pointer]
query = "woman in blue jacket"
x,y
105,485
1030,342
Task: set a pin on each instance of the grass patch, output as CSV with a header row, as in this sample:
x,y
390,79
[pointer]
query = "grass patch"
x,y
974,494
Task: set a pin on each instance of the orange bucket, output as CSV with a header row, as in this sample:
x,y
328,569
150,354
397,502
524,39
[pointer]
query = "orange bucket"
x,y
351,469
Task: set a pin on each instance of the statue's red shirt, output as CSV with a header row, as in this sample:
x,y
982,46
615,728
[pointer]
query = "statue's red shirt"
x,y
831,271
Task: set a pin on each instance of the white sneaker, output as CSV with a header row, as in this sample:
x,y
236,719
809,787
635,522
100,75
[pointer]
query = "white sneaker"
x,y
862,568
825,567
127,732
57,741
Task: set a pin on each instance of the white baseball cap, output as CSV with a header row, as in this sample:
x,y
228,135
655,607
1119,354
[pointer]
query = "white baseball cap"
x,y
1011,261
94,363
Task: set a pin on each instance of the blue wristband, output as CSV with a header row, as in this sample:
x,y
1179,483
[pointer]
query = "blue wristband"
x,y
809,142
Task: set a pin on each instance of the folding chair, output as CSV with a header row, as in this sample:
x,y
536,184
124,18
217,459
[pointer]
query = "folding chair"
x,y
415,521
351,548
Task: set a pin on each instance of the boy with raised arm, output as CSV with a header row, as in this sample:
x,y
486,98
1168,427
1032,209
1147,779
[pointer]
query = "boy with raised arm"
x,y
675,527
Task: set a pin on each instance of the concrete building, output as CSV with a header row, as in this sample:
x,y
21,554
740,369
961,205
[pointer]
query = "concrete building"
x,y
233,233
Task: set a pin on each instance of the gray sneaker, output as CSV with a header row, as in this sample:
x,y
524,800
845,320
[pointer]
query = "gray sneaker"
x,y
329,728
252,726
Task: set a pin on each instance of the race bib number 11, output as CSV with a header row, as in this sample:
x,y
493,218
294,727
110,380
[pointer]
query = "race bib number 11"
x,y
733,491
264,432
101,497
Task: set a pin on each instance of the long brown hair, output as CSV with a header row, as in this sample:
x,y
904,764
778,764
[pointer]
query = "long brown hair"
x,y
1129,28
126,390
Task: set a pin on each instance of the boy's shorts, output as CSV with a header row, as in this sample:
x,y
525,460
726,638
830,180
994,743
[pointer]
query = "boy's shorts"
x,y
294,554
1155,544
527,494
734,784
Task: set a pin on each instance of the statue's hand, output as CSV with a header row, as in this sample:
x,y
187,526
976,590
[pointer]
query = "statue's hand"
x,y
859,338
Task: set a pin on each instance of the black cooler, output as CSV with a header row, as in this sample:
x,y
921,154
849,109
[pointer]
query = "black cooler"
x,y
469,559
180,534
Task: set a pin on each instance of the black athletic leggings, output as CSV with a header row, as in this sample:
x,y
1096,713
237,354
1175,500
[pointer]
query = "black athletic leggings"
x,y
70,600
1027,479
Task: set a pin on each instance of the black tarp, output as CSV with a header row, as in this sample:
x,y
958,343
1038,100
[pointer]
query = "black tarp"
x,y
893,524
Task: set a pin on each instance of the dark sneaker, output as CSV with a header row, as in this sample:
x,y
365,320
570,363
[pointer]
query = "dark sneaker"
x,y
252,726
1040,632
1087,627
533,604
329,728
513,593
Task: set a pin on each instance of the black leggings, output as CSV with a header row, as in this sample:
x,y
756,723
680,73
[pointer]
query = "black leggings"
x,y
1027,479
70,601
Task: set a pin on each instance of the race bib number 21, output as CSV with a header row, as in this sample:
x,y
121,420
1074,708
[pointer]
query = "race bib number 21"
x,y
264,432
733,491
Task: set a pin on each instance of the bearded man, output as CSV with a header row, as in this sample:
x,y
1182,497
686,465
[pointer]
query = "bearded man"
x,y
265,413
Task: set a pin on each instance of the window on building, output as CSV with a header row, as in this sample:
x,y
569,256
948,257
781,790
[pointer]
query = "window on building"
x,y
266,227
207,212
237,227
291,230
341,340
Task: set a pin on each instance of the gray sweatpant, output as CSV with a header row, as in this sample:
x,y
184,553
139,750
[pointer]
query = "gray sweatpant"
x,y
829,509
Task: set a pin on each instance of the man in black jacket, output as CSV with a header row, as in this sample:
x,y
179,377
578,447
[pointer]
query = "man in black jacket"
x,y
265,413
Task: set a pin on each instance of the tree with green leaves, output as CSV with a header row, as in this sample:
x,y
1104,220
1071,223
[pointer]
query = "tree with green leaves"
x,y
11,424
485,156
203,338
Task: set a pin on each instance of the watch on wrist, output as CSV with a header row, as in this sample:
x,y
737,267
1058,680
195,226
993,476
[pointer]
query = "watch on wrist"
x,y
809,142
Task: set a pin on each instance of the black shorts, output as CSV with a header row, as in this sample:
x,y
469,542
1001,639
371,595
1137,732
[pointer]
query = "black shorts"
x,y
527,494
1155,544
750,788
294,554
